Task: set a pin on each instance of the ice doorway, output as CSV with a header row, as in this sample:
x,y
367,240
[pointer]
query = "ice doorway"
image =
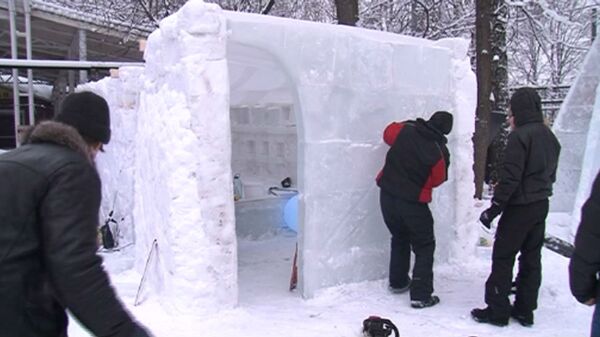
x,y
264,162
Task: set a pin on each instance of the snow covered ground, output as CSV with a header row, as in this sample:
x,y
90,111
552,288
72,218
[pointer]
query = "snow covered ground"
x,y
268,309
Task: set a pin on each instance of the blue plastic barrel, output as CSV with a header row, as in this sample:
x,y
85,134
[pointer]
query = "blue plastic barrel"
x,y
290,213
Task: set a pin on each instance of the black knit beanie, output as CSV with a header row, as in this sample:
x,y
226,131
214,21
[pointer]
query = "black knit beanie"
x,y
88,113
441,121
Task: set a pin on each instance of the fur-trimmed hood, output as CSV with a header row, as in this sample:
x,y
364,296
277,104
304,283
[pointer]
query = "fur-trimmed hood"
x,y
62,134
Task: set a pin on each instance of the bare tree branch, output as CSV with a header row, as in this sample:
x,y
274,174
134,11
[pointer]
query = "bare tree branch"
x,y
268,7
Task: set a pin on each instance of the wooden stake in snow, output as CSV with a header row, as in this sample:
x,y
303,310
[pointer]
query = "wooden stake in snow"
x,y
294,277
137,295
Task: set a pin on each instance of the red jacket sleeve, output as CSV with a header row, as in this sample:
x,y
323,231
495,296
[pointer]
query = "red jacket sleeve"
x,y
391,132
438,173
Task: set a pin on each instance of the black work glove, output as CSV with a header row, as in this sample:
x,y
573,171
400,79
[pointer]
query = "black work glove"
x,y
490,214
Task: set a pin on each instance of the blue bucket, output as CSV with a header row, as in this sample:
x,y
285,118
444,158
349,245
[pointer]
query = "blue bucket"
x,y
290,213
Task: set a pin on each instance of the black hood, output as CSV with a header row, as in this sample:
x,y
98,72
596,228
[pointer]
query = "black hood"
x,y
441,121
429,131
526,106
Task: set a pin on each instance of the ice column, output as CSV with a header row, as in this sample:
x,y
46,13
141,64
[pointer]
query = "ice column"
x,y
591,162
184,197
572,127
459,241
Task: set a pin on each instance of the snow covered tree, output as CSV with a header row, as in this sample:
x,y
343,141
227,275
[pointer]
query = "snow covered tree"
x,y
548,40
499,86
433,19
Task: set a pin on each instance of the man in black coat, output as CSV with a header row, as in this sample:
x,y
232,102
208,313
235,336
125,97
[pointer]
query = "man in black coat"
x,y
416,162
521,195
585,262
49,202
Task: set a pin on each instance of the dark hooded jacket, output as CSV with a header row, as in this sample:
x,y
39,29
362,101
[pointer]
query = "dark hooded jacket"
x,y
49,202
417,160
585,262
531,155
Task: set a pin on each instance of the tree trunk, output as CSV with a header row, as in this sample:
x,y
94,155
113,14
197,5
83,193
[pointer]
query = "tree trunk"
x,y
499,59
414,18
268,7
484,81
347,12
594,23
499,82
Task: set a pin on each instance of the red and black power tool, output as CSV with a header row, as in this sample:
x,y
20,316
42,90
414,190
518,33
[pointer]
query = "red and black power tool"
x,y
375,326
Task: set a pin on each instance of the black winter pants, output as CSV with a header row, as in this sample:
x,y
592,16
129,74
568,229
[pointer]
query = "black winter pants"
x,y
520,230
411,226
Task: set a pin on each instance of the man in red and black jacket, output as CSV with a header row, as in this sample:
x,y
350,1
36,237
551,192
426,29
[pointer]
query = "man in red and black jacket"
x,y
416,162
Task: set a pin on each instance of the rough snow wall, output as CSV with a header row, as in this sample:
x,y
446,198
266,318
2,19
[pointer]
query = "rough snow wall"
x,y
117,164
183,182
350,84
459,240
591,163
572,128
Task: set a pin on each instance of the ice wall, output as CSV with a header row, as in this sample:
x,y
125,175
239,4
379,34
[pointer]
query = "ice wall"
x,y
572,128
184,195
116,165
349,84
591,162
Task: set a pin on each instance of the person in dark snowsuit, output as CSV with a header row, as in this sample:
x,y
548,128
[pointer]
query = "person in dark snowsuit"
x,y
521,195
49,202
416,162
585,262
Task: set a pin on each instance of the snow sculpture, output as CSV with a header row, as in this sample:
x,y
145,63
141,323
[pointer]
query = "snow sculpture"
x,y
590,163
183,196
344,85
573,128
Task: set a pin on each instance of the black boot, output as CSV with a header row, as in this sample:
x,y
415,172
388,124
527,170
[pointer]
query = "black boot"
x,y
400,290
485,316
524,318
430,302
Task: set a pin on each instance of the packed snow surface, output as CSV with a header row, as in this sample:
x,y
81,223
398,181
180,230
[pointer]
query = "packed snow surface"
x,y
268,309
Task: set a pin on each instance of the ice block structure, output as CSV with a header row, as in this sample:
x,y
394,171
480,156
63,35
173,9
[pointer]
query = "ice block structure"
x,y
117,165
577,130
342,85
